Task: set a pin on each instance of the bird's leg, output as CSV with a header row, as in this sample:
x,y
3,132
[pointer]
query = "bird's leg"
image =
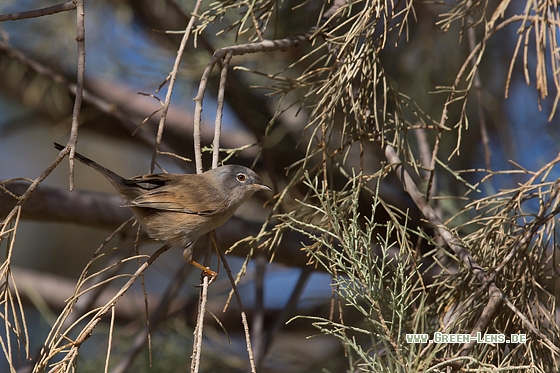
x,y
207,271
187,255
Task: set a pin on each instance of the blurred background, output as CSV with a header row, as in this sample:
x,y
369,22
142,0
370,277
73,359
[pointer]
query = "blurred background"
x,y
130,52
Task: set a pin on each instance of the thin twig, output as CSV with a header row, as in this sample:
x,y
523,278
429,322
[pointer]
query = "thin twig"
x,y
157,317
203,298
220,55
495,299
87,330
220,111
8,230
477,85
109,340
257,329
420,200
25,196
81,43
239,303
197,343
172,79
46,11
88,299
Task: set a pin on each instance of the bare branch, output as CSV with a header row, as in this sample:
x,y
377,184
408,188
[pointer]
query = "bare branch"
x,y
64,7
81,41
172,78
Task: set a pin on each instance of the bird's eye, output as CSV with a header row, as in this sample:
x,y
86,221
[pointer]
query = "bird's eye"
x,y
241,177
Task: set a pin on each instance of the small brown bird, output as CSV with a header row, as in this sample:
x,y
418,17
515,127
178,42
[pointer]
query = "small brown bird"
x,y
180,208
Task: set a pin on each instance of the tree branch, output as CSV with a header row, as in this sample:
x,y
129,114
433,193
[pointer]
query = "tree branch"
x,y
462,252
59,8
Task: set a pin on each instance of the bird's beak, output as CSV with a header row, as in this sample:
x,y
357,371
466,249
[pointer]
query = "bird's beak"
x,y
263,187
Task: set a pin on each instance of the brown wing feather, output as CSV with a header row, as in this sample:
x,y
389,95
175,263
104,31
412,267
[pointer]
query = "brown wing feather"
x,y
164,200
151,181
190,194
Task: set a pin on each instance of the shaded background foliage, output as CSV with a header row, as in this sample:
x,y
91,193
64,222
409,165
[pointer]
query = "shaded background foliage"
x,y
457,89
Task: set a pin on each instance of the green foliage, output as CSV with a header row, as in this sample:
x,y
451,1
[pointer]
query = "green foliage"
x,y
378,292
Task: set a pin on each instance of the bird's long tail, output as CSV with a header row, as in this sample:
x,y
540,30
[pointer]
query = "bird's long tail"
x,y
114,178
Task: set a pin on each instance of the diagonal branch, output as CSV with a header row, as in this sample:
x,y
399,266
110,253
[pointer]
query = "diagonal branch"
x,y
47,11
462,252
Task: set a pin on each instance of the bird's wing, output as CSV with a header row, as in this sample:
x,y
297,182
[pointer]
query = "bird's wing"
x,y
189,196
148,182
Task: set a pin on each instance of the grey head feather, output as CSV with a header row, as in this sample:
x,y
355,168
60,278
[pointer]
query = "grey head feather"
x,y
238,182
